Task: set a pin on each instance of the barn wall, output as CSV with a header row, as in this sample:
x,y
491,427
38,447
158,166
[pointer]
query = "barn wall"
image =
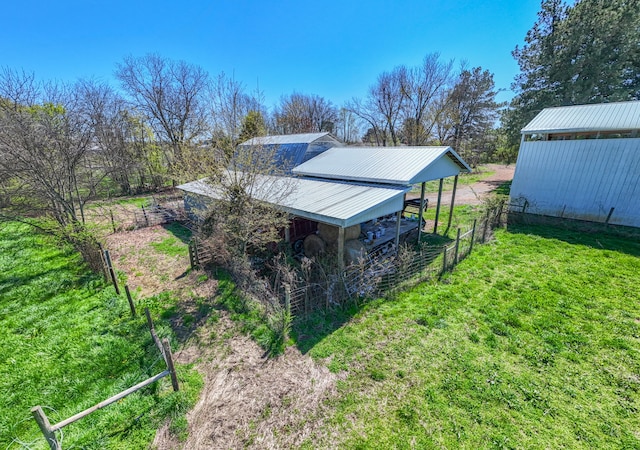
x,y
196,206
580,179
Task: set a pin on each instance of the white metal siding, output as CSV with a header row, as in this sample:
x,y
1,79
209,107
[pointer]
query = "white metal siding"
x,y
581,179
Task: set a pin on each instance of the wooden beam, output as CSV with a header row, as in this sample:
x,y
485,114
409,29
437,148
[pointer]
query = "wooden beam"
x,y
341,247
109,401
398,218
453,200
435,227
422,188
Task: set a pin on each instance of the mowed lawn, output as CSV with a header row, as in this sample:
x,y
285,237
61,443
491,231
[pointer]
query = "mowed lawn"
x,y
68,342
532,342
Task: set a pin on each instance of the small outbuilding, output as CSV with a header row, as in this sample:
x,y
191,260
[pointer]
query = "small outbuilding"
x,y
344,190
581,162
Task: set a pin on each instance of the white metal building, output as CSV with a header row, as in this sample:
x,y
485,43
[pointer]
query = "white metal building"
x,y
346,186
581,162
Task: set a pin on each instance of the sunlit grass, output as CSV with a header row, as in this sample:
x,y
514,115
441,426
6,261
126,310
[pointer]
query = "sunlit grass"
x,y
532,342
68,342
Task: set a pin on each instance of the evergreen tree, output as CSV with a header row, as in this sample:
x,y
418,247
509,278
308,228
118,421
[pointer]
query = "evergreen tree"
x,y
585,53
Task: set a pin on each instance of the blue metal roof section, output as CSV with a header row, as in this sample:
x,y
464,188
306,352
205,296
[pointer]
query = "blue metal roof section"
x,y
294,149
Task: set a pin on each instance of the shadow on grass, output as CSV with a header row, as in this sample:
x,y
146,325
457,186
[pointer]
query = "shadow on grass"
x,y
503,188
588,234
179,231
312,329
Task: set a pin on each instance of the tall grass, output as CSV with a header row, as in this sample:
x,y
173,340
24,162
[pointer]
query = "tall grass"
x,y
532,342
68,342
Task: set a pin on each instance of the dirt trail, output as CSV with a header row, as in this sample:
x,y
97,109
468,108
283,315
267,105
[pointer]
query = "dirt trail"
x,y
248,400
472,194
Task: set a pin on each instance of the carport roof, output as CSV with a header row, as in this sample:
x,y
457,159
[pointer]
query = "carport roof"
x,y
387,165
333,202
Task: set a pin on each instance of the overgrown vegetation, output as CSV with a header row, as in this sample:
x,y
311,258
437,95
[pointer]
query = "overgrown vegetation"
x,y
531,342
68,342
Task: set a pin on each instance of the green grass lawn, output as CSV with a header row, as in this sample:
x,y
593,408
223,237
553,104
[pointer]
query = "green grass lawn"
x,y
532,342
68,342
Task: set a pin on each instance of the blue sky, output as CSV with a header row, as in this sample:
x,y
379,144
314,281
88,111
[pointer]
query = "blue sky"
x,y
333,48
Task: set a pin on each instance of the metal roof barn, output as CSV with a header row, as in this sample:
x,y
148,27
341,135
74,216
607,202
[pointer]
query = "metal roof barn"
x,y
599,117
581,173
388,165
335,203
294,149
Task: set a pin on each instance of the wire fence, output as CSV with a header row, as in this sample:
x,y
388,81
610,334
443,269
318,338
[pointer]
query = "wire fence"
x,y
381,276
318,286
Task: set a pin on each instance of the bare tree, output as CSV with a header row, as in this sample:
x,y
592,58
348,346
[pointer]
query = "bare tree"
x,y
381,109
230,105
346,126
170,96
301,113
422,87
45,137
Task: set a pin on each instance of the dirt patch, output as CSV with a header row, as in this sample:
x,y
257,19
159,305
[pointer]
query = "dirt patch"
x,y
473,194
148,270
248,400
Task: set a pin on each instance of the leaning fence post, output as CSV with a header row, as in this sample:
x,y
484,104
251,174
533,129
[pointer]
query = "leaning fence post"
x,y
169,361
131,305
455,257
105,267
45,427
473,235
111,271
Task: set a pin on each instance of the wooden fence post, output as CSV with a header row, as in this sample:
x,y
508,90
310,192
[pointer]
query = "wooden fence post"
x,y
113,222
105,267
287,298
131,305
306,300
455,257
45,427
473,235
190,246
111,271
169,361
444,260
484,229
196,256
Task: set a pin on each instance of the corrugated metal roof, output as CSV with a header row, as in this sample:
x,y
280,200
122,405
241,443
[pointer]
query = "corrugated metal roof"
x,y
389,165
336,203
600,117
304,138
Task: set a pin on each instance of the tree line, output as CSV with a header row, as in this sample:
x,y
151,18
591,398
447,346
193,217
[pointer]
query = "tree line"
x,y
586,52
